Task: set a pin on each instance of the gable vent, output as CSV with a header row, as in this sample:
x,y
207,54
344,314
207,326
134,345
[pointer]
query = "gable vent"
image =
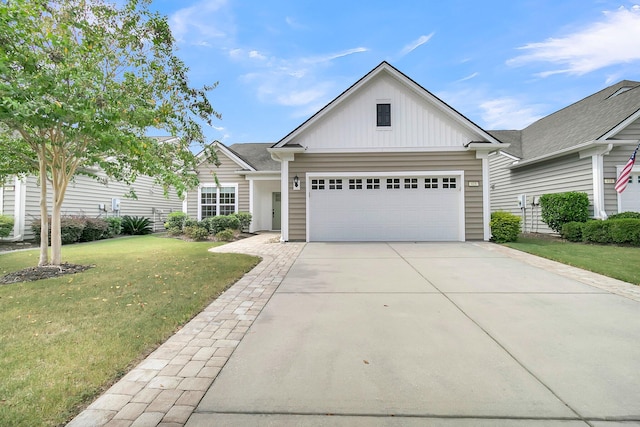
x,y
621,90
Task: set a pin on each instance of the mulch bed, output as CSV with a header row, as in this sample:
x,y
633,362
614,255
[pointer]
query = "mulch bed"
x,y
45,272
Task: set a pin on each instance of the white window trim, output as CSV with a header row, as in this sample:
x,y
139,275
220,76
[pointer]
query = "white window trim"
x,y
217,187
384,101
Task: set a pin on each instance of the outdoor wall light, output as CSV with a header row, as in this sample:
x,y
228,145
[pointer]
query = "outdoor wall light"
x,y
296,183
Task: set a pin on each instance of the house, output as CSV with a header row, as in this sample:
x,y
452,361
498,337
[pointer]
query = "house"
x,y
246,179
580,148
85,196
384,161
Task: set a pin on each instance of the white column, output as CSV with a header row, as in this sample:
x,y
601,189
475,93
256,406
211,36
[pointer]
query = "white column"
x,y
284,189
251,206
486,198
19,211
597,164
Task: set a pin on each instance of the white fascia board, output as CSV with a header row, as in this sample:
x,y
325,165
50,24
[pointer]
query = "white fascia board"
x,y
260,175
623,124
280,154
509,156
230,154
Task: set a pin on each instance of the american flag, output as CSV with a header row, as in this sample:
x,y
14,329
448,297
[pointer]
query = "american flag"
x,y
623,179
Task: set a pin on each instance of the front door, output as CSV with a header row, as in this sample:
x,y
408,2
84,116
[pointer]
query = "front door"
x,y
275,211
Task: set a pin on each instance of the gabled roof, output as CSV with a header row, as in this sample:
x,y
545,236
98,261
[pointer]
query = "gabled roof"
x,y
256,154
589,119
385,67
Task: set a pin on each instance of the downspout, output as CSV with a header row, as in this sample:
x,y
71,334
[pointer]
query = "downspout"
x,y
19,209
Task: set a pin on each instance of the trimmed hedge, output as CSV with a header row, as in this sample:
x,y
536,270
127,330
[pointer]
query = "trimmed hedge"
x,y
624,215
505,227
245,220
625,231
597,232
558,209
572,231
6,225
75,229
220,223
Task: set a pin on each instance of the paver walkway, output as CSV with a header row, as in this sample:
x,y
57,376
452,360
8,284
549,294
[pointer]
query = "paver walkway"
x,y
165,388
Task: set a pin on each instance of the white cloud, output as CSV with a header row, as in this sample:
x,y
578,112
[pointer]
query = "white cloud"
x,y
507,113
469,77
203,22
415,44
611,41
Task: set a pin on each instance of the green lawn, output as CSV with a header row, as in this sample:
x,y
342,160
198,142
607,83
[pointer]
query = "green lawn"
x,y
619,262
64,340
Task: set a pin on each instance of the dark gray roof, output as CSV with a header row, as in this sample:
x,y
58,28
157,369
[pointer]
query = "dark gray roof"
x,y
513,137
581,122
256,154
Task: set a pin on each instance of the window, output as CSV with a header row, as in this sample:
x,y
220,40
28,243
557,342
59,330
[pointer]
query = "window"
x,y
383,114
373,183
317,184
335,184
355,184
411,183
431,183
448,183
217,201
393,183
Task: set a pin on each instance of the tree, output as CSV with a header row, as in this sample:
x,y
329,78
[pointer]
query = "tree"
x,y
81,83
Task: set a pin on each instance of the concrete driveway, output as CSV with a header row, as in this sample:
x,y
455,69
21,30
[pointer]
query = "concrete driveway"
x,y
430,334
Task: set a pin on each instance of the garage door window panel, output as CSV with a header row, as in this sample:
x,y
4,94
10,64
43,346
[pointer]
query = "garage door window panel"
x,y
355,184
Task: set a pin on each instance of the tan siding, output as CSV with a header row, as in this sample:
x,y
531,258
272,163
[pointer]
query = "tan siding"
x,y
618,157
85,194
388,162
569,173
226,174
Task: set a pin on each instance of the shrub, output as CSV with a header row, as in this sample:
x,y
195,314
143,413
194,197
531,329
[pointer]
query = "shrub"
x,y
136,225
505,227
225,235
6,225
222,222
94,229
245,220
196,232
175,220
174,231
625,230
572,231
597,231
70,229
115,227
624,215
190,222
559,208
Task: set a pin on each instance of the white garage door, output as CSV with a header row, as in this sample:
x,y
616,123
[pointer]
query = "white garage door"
x,y
385,208
630,197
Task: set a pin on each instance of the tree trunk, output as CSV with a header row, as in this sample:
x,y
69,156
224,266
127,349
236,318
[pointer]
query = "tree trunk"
x,y
44,220
56,237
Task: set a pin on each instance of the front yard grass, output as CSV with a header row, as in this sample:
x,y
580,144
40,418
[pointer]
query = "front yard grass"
x,y
619,262
64,340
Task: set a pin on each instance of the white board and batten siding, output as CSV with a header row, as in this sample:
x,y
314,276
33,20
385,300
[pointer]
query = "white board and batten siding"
x,y
416,123
568,173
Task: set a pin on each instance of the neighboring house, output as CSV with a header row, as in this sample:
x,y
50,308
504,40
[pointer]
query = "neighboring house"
x,y
246,179
385,161
581,148
20,198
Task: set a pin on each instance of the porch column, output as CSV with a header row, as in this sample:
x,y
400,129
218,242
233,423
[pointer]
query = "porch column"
x,y
284,189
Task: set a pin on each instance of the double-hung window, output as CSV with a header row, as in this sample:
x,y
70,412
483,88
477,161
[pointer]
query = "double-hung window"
x,y
214,200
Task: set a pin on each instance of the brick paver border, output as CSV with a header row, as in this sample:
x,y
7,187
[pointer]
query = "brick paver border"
x,y
165,388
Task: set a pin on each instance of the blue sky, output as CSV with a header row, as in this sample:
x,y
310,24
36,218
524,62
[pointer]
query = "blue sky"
x,y
503,64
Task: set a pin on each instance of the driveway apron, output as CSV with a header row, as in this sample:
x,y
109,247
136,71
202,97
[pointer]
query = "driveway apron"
x,y
430,333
